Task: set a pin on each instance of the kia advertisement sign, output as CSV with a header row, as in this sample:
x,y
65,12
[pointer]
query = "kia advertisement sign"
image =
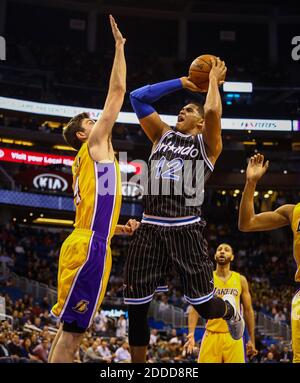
x,y
34,158
51,182
46,181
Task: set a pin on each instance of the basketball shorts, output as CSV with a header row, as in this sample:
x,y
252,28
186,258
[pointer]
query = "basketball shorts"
x,y
83,273
155,250
295,320
218,347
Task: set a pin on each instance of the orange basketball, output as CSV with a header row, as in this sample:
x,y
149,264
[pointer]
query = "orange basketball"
x,y
199,71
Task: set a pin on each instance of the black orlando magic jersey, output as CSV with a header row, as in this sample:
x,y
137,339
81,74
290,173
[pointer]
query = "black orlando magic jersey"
x,y
178,170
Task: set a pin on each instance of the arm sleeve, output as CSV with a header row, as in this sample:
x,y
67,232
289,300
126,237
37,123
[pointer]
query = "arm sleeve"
x,y
142,98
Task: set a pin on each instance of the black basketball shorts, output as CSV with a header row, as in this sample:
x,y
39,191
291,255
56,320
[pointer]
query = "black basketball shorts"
x,y
156,248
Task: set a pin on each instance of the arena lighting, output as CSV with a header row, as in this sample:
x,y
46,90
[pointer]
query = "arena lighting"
x,y
267,143
256,193
267,195
270,192
246,87
249,142
236,191
296,146
16,142
63,147
242,171
223,192
54,221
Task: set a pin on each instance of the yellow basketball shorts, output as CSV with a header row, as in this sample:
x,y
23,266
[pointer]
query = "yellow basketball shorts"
x,y
219,347
295,320
83,273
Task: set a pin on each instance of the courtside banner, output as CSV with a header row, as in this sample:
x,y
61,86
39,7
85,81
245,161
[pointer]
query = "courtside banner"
x,y
34,158
45,159
60,110
253,124
130,118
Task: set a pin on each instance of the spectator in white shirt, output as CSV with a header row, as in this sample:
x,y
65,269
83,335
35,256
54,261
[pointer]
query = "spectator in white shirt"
x,y
122,354
100,324
280,317
163,304
121,327
104,351
153,337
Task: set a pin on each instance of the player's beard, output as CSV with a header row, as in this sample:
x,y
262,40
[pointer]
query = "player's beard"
x,y
223,262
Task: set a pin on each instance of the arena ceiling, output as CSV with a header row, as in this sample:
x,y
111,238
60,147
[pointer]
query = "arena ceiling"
x,y
257,7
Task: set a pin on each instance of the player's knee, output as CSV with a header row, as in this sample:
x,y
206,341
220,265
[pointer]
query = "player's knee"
x,y
138,331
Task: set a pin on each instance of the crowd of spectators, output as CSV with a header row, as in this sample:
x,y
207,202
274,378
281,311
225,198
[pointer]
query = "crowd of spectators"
x,y
29,336
264,258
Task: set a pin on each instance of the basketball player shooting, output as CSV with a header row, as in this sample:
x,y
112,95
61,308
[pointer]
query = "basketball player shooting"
x,y
85,256
285,215
171,232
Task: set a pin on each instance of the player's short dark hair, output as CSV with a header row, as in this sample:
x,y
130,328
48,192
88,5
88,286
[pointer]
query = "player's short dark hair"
x,y
199,106
72,127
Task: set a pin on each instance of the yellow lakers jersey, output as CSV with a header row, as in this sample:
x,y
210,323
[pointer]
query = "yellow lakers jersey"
x,y
232,286
97,193
296,232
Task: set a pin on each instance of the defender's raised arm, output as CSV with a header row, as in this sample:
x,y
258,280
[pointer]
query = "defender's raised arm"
x,y
116,92
248,220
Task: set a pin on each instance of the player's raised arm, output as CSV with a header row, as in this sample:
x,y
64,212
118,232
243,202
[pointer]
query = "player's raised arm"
x,y
117,88
248,220
213,111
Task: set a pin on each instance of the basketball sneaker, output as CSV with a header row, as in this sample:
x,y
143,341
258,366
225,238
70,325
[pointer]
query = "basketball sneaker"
x,y
236,323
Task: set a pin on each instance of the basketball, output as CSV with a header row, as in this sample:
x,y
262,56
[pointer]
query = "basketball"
x,y
199,71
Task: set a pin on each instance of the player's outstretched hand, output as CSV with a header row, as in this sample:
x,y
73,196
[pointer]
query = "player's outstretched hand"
x,y
256,167
218,70
131,226
251,350
119,39
190,343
